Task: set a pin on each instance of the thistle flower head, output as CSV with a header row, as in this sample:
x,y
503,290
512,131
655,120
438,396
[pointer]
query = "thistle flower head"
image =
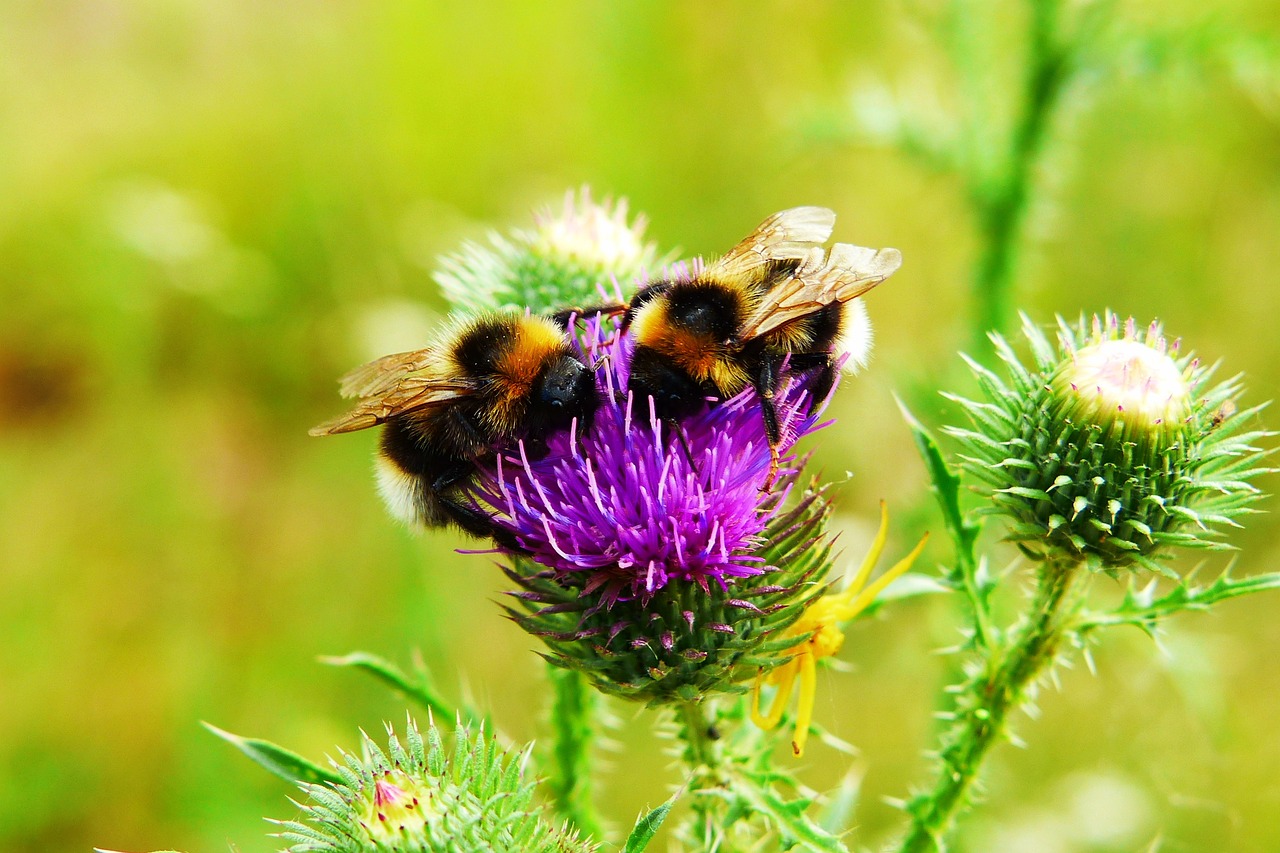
x,y
573,256
418,796
656,561
818,634
1111,447
597,236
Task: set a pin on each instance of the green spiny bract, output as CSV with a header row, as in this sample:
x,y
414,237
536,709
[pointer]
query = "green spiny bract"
x,y
685,642
570,258
421,798
1111,447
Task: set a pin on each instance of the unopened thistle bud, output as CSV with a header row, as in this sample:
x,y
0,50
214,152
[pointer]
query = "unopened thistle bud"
x,y
421,797
571,257
1112,447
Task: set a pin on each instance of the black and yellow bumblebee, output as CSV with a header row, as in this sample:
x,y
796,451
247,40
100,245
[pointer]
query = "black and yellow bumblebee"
x,y
776,298
486,383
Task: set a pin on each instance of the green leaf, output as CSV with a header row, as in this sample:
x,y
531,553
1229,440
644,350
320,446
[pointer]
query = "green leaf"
x,y
648,824
912,584
945,484
419,690
786,817
286,764
1142,610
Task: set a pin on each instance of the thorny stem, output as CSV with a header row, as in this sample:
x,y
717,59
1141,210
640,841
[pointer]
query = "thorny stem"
x,y
983,707
574,712
1002,200
702,755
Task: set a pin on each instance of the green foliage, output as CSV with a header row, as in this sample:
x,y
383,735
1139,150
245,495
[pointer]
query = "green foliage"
x,y
648,825
286,764
417,687
968,574
788,818
1144,609
737,795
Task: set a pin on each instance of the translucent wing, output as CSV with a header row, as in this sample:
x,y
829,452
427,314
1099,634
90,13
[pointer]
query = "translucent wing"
x,y
787,235
384,373
845,273
389,386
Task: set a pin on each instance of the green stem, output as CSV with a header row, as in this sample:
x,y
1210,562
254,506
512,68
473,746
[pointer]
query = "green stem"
x,y
573,716
1002,202
983,708
702,754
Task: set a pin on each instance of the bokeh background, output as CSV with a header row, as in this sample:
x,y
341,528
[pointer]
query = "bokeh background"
x,y
210,210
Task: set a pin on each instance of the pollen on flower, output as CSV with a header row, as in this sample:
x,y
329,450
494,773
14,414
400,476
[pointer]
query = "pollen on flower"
x,y
819,635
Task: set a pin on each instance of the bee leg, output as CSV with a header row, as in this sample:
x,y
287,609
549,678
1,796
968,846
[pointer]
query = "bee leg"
x,y
678,431
467,428
766,385
824,378
561,318
478,523
467,515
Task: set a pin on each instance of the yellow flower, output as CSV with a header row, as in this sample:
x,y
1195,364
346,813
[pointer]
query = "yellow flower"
x,y
820,637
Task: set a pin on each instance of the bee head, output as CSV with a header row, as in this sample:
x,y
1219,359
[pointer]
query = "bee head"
x,y
565,389
675,393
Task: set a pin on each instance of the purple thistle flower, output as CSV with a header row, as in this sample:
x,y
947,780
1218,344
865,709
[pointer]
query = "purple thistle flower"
x,y
655,562
625,507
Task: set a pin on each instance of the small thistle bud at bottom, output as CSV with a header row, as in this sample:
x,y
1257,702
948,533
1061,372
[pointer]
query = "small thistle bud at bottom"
x,y
1111,448
418,796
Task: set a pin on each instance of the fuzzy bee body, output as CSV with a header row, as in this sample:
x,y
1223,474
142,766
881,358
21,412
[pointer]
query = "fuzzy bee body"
x,y
485,384
776,298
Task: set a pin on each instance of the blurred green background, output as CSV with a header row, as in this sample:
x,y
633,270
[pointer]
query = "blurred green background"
x,y
210,210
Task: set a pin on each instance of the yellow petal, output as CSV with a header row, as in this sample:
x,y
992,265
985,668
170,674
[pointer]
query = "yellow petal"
x,y
804,713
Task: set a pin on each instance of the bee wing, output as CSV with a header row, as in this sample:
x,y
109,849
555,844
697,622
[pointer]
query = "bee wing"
x,y
845,273
389,386
787,235
382,374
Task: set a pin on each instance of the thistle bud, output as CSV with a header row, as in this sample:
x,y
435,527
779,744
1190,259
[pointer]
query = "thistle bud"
x,y
1111,447
419,796
571,257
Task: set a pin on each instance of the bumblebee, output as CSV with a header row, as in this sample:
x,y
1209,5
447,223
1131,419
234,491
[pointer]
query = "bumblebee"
x,y
485,384
776,298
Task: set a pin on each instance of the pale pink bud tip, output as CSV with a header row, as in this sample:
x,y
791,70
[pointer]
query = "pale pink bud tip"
x,y
1139,381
